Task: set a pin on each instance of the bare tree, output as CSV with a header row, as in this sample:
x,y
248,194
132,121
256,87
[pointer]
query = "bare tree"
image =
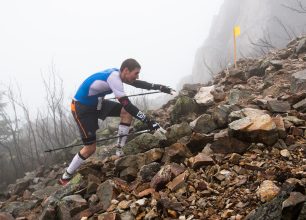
x,y
54,97
10,133
208,67
299,8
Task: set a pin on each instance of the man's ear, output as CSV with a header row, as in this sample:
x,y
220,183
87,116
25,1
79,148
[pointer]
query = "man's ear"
x,y
125,70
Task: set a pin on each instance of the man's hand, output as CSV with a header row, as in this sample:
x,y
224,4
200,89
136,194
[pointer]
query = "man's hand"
x,y
166,89
162,88
153,125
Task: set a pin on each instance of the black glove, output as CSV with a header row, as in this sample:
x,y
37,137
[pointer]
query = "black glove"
x,y
165,89
153,125
162,88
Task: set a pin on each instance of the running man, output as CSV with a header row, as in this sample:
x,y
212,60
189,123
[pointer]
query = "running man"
x,y
88,105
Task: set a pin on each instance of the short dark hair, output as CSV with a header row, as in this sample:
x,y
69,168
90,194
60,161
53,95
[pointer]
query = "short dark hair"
x,y
131,64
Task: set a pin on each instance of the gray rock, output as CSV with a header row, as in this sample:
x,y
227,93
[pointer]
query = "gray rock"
x,y
55,197
203,124
220,114
278,64
301,46
177,131
129,174
296,121
70,206
45,192
258,69
184,106
272,209
17,208
298,83
236,96
140,144
106,192
19,187
147,172
300,106
278,106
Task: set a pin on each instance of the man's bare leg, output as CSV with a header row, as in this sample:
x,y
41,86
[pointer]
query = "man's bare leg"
x,y
123,129
77,161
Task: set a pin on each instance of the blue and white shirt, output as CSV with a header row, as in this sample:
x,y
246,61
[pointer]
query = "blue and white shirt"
x,y
99,85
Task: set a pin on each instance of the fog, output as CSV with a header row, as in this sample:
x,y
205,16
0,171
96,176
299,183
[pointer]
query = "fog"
x,y
79,38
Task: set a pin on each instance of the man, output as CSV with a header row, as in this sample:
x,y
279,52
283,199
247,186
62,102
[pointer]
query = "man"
x,y
88,105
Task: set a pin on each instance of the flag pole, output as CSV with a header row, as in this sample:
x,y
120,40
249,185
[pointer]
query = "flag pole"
x,y
235,53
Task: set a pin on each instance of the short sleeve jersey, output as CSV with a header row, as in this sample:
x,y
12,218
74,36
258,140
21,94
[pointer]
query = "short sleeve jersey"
x,y
99,85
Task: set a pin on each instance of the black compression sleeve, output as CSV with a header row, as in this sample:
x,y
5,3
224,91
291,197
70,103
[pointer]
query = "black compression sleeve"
x,y
132,109
141,84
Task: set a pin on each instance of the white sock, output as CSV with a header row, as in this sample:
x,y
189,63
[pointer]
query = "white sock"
x,y
75,163
123,129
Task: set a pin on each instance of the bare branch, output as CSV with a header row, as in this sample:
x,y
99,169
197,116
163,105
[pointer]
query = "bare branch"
x,y
301,9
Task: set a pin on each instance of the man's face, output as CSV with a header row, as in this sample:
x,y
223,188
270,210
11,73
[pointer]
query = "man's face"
x,y
130,76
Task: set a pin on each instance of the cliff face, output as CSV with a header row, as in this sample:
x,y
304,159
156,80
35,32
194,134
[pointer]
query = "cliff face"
x,y
265,25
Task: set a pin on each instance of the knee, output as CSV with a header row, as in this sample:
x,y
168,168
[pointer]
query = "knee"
x,y
125,115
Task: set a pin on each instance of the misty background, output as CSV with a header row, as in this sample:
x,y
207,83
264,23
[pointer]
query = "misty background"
x,y
77,38
48,48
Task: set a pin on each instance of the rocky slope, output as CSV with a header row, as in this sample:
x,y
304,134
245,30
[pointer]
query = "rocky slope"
x,y
234,149
265,24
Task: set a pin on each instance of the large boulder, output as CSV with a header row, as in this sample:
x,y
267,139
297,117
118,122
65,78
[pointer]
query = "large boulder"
x,y
183,107
129,166
246,112
237,96
220,114
106,192
141,143
258,129
203,124
278,106
204,97
71,205
225,144
258,69
69,189
176,132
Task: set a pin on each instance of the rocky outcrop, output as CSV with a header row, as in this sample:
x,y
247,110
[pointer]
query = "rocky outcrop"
x,y
239,154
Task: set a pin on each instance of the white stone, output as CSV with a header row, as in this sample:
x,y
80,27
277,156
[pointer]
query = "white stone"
x,y
204,97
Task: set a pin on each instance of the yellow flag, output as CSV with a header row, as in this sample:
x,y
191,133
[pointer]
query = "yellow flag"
x,y
237,31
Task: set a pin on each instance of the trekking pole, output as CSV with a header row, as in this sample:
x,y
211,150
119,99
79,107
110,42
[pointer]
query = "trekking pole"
x,y
100,140
139,94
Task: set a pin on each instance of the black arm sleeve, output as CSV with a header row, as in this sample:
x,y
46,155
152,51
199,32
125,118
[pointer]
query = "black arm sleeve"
x,y
142,84
132,109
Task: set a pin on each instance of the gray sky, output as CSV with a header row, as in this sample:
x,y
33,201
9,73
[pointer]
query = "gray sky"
x,y
84,37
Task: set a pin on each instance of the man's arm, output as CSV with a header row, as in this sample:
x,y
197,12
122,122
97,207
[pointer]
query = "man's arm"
x,y
136,113
145,85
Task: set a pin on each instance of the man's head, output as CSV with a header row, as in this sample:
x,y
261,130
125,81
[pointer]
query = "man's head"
x,y
129,70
